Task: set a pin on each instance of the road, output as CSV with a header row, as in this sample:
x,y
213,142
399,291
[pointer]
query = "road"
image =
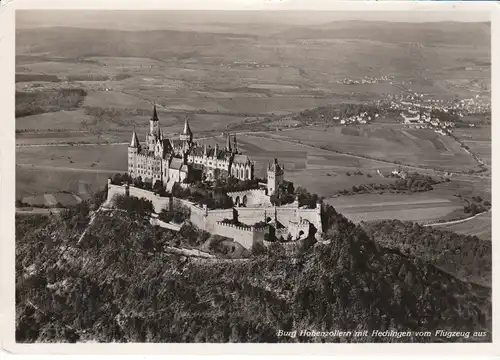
x,y
457,221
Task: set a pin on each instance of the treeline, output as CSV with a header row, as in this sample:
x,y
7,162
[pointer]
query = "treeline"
x,y
212,198
286,194
467,257
342,111
414,182
40,102
117,285
36,77
178,214
113,115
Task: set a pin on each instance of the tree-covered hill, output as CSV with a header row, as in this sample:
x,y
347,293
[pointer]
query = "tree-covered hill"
x,y
117,284
467,257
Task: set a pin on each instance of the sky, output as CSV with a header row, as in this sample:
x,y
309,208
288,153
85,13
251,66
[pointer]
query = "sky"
x,y
165,19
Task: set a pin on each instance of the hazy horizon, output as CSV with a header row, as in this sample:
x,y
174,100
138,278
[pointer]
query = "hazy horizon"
x,y
163,19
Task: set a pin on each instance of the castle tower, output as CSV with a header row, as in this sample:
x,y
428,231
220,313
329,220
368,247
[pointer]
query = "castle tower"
x,y
235,146
154,131
275,175
133,150
154,123
186,134
228,143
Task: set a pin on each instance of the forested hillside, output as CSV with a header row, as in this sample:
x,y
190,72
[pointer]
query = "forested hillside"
x,y
117,285
467,257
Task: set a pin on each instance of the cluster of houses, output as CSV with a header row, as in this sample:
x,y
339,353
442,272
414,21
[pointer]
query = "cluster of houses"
x,y
362,118
367,80
424,120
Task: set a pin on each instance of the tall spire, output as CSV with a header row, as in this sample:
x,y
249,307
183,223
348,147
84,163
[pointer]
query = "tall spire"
x,y
186,134
228,143
135,141
155,114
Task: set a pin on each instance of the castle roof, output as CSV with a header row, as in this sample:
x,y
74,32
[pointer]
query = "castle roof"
x,y
155,114
175,143
187,129
241,159
219,153
275,166
197,151
176,164
135,141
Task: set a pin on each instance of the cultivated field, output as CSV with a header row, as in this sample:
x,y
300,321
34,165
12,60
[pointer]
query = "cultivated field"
x,y
478,140
389,142
480,226
412,207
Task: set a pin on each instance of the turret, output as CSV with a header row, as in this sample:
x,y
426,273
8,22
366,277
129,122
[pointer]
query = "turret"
x,y
154,122
235,146
228,143
186,134
134,143
133,150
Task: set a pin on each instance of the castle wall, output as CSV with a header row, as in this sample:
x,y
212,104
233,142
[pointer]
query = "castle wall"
x,y
292,217
254,197
247,237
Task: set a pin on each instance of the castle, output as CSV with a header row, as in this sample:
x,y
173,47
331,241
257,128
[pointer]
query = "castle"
x,y
182,160
253,217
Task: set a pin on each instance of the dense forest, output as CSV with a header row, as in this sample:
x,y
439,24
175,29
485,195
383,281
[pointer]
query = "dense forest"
x,y
116,284
40,102
467,257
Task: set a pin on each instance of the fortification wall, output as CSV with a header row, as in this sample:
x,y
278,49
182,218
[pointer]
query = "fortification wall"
x,y
240,234
253,197
159,203
213,216
115,190
313,216
247,237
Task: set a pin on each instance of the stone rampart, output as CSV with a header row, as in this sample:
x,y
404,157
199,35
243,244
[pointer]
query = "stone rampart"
x,y
246,236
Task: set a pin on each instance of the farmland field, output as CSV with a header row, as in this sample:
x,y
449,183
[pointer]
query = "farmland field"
x,y
413,207
389,142
478,140
480,226
52,199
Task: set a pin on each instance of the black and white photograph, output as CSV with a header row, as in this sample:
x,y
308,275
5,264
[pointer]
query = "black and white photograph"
x,y
186,176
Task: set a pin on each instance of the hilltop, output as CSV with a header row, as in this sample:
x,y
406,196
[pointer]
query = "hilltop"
x,y
117,284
